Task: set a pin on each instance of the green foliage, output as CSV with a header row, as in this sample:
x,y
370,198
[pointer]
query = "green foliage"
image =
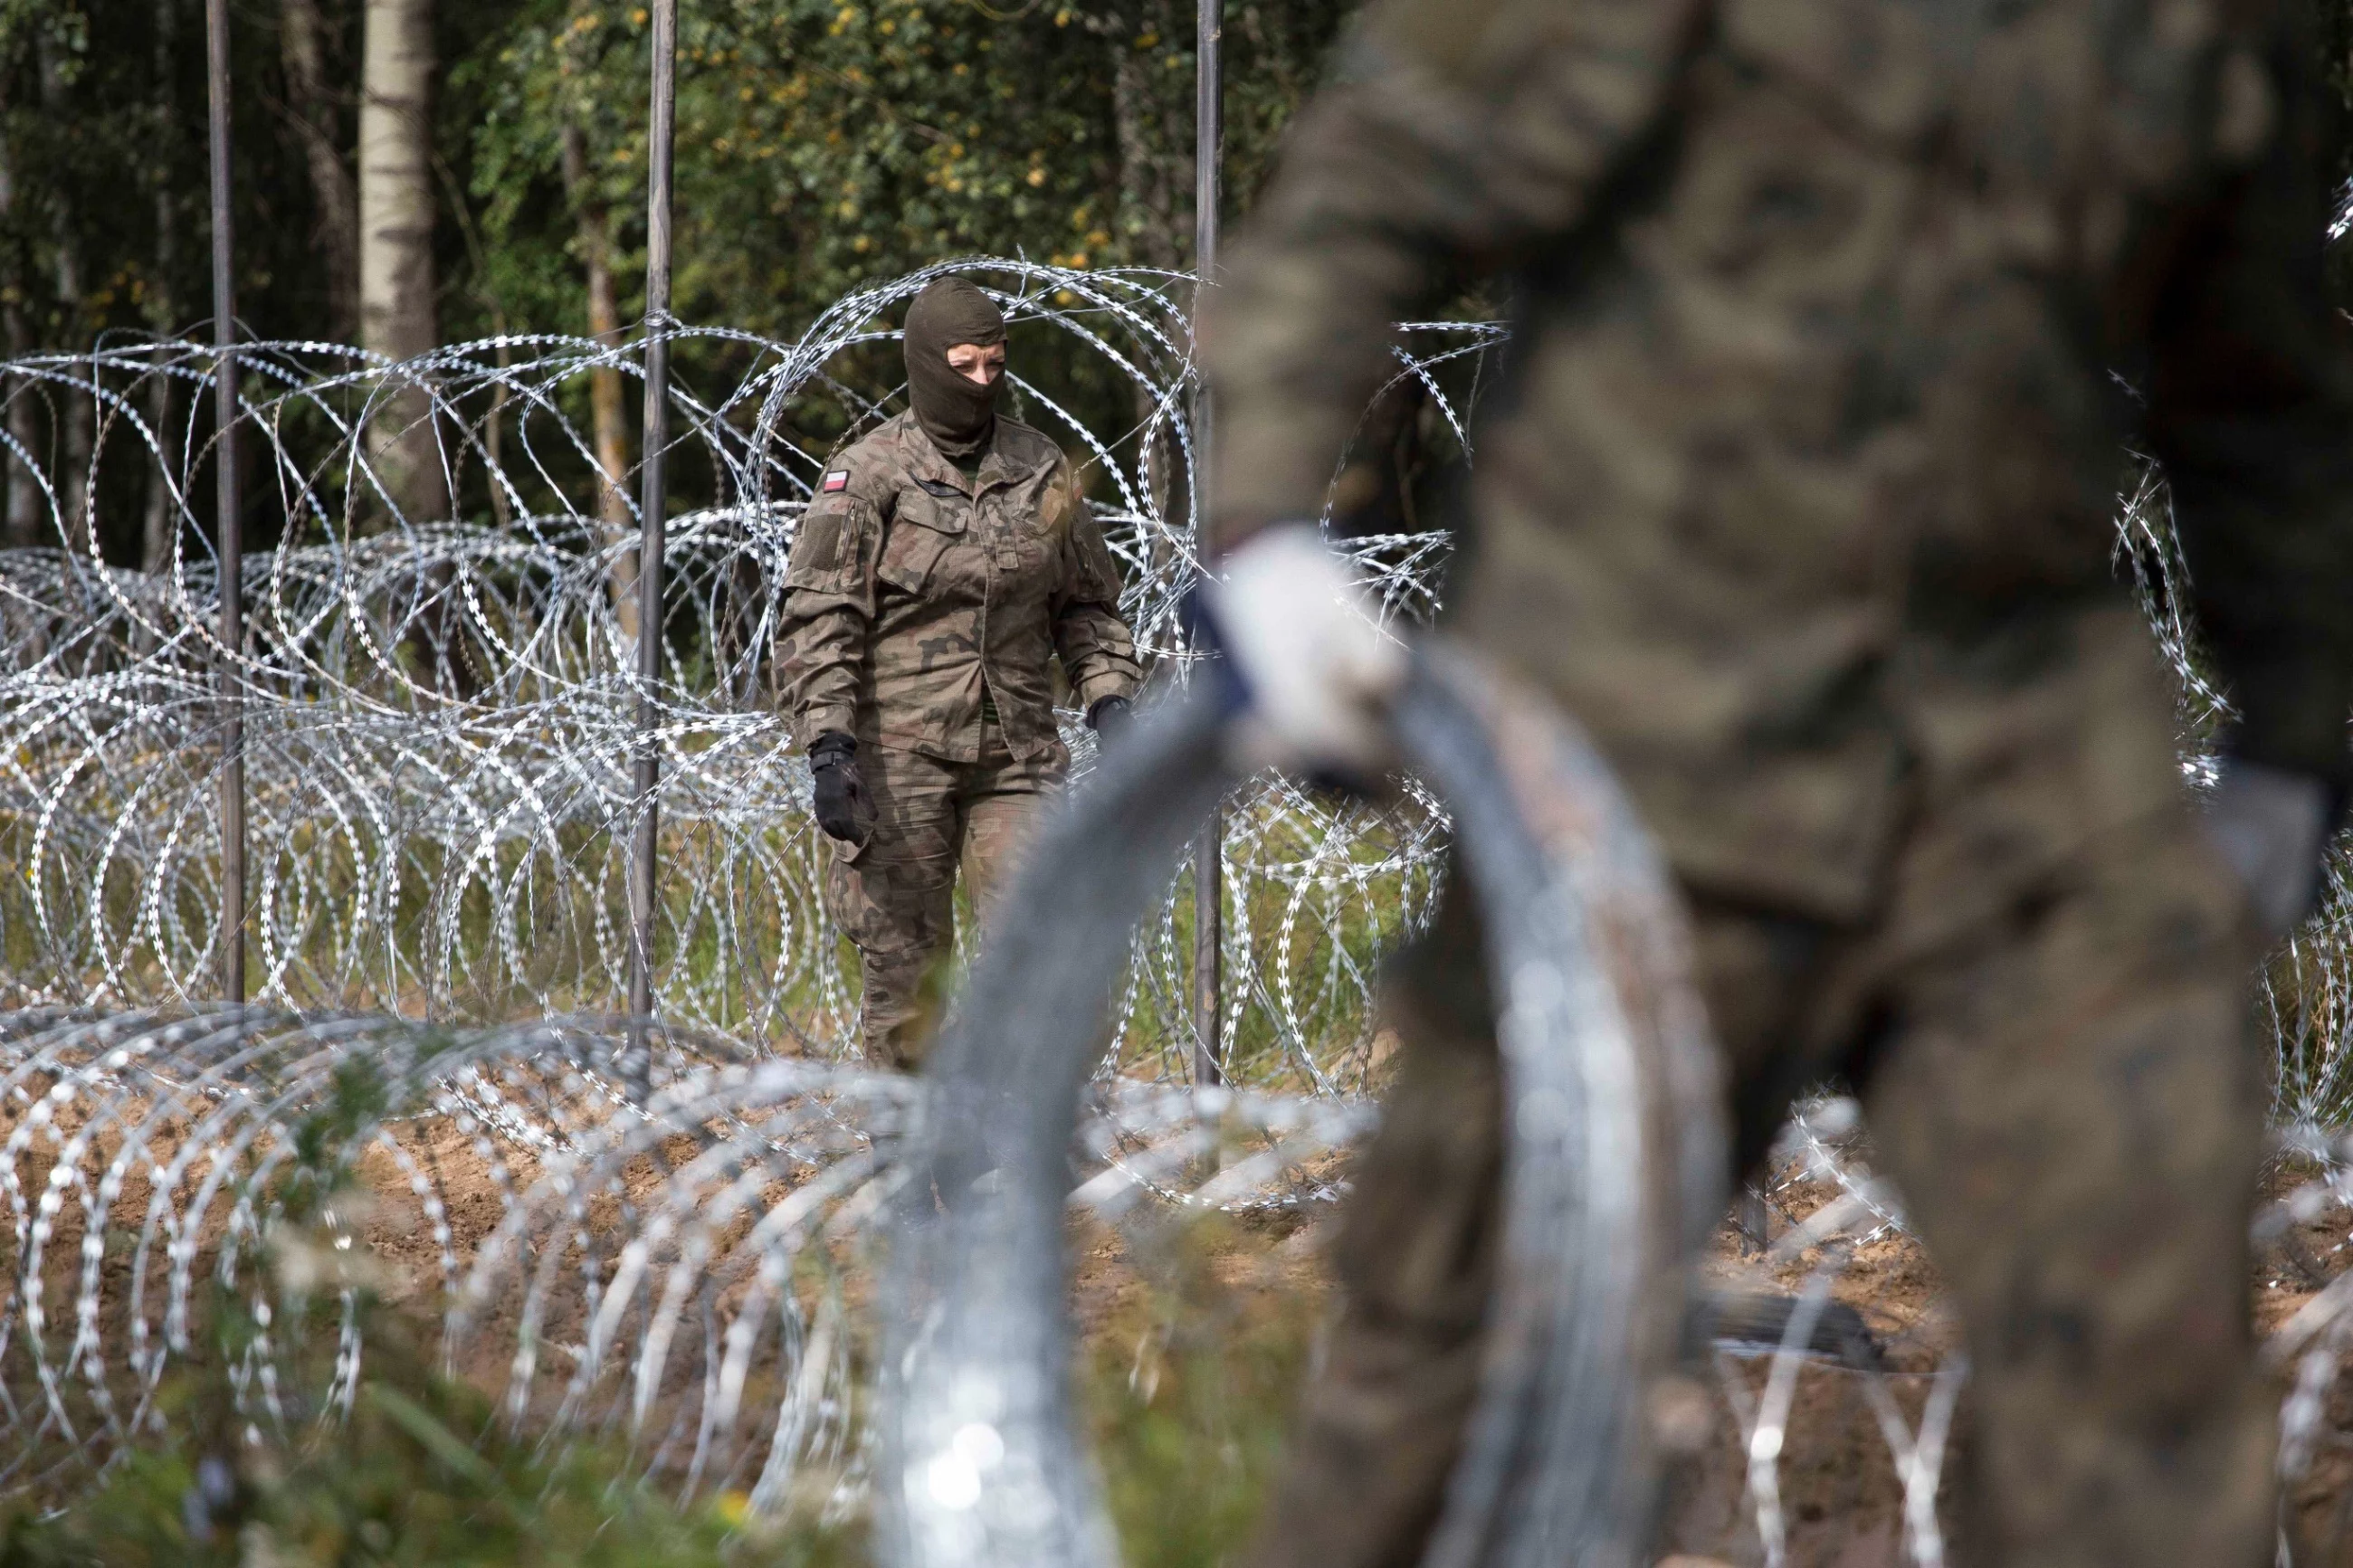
x,y
1188,1385
417,1469
1195,1334
1190,1388
822,145
423,1476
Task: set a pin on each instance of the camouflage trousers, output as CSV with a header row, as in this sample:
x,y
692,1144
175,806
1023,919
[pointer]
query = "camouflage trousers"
x,y
894,895
2051,1046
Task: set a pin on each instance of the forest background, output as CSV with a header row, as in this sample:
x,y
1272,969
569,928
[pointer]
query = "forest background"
x,y
413,173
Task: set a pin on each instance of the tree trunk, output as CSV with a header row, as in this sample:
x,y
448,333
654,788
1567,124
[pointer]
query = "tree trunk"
x,y
159,527
1153,125
614,520
398,315
302,45
24,430
24,507
74,410
1148,183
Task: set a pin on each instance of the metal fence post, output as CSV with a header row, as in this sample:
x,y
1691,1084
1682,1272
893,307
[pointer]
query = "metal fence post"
x,y
1208,851
647,776
231,522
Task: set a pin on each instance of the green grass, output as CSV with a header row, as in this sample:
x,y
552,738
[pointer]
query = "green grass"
x,y
421,1469
1195,1334
421,1477
1189,1390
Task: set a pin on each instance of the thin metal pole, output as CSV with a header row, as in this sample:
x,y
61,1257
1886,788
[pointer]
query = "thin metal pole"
x,y
1208,850
230,505
642,867
1750,1219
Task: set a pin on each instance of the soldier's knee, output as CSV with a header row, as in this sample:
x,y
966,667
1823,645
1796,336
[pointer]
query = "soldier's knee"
x,y
905,998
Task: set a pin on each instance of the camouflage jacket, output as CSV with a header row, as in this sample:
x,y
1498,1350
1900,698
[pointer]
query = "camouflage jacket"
x,y
1833,321
912,589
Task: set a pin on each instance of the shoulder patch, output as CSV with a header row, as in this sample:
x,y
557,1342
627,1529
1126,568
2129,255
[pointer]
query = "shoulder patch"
x,y
838,479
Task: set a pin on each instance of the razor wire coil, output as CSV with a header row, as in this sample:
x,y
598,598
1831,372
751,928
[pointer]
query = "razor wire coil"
x,y
438,688
438,703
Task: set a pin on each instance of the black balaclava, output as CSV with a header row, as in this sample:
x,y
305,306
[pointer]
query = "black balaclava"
x,y
959,416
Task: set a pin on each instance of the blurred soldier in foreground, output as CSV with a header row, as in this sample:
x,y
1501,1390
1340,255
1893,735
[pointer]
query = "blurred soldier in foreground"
x,y
1801,497
945,561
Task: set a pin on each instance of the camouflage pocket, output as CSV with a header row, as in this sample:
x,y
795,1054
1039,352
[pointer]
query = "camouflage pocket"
x,y
920,533
829,547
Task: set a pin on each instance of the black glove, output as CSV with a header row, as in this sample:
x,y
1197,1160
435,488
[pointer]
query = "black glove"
x,y
1109,718
844,809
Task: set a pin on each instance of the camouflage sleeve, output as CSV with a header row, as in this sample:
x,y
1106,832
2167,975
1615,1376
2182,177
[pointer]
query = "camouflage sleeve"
x,y
828,608
2251,418
1098,652
1462,136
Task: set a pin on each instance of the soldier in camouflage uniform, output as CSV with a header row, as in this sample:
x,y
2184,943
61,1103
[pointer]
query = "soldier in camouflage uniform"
x,y
1801,498
947,560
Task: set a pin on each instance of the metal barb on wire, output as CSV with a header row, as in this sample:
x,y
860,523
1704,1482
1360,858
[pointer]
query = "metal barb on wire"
x,y
231,522
646,778
1209,849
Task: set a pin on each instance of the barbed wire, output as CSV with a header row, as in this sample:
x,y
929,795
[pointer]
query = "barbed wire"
x,y
676,1272
438,685
437,693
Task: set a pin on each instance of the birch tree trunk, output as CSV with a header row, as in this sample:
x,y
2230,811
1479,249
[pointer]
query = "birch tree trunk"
x,y
615,522
398,312
302,46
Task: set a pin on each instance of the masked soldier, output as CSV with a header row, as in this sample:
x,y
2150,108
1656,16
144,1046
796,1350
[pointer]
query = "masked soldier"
x,y
1832,319
947,559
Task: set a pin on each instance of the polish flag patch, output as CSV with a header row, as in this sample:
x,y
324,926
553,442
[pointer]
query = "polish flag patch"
x,y
837,480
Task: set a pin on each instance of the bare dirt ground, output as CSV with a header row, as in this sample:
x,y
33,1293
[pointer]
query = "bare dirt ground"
x,y
1247,1294
1840,1492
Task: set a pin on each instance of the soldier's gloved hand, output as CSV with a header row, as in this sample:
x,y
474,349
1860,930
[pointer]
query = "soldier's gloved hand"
x,y
1109,718
1306,646
844,808
2272,824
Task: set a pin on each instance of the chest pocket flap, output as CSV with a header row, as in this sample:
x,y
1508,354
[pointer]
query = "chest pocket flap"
x,y
921,527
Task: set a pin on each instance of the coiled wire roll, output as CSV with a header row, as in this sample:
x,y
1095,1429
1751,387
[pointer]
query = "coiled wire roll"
x,y
1613,1148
